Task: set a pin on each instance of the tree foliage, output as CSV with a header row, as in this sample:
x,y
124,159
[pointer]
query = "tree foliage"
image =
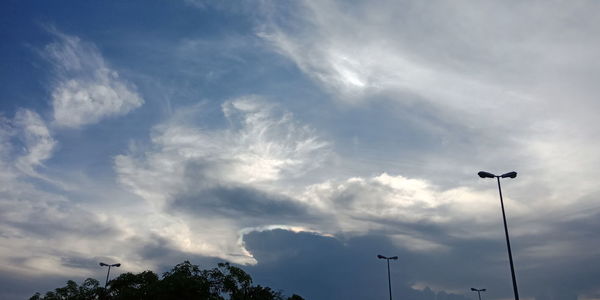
x,y
184,281
89,289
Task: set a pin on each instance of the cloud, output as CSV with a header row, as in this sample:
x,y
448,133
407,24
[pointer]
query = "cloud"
x,y
432,92
215,178
259,146
486,81
228,176
39,227
506,86
86,89
211,188
36,138
320,267
240,202
289,259
26,142
44,232
363,205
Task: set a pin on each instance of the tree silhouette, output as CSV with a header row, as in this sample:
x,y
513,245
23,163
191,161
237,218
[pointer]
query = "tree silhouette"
x,y
89,289
184,281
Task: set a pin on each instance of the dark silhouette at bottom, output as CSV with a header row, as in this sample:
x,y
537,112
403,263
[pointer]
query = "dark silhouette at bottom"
x,y
184,281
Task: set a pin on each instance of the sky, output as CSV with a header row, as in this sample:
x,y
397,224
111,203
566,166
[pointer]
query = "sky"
x,y
299,139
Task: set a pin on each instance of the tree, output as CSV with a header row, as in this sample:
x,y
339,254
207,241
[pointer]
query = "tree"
x,y
184,281
88,290
133,286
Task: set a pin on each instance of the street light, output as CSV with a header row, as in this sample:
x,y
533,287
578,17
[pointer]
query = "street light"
x,y
388,265
512,174
478,291
107,273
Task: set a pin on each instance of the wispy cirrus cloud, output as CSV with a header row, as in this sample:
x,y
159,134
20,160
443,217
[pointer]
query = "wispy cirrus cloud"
x,y
259,145
44,222
227,175
26,142
492,96
40,216
37,140
86,89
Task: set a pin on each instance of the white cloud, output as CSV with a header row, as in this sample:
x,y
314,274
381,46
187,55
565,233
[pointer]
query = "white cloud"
x,y
87,90
512,81
37,140
260,147
357,53
41,226
510,85
263,148
363,205
25,143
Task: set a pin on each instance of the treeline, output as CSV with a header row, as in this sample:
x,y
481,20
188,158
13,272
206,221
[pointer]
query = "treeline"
x,y
184,281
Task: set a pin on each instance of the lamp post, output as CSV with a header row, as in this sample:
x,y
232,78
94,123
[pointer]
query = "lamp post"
x,y
388,267
478,291
512,174
107,273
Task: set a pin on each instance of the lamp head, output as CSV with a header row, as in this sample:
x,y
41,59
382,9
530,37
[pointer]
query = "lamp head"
x,y
483,290
103,264
512,174
116,265
394,257
484,174
474,289
381,256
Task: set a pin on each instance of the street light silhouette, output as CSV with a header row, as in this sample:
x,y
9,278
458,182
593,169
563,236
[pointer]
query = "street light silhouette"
x,y
107,273
512,174
478,291
388,266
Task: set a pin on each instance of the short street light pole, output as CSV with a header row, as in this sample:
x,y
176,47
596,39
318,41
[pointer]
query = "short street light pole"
x,y
388,267
512,174
478,291
107,273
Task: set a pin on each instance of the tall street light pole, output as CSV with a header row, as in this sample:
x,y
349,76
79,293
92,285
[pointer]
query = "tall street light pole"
x,y
512,174
478,291
107,273
388,267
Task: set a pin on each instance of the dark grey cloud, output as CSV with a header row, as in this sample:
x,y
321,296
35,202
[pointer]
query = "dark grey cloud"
x,y
319,267
15,286
82,262
562,260
75,222
166,255
240,201
338,268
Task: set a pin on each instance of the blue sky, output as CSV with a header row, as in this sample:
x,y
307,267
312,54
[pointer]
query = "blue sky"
x,y
301,139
